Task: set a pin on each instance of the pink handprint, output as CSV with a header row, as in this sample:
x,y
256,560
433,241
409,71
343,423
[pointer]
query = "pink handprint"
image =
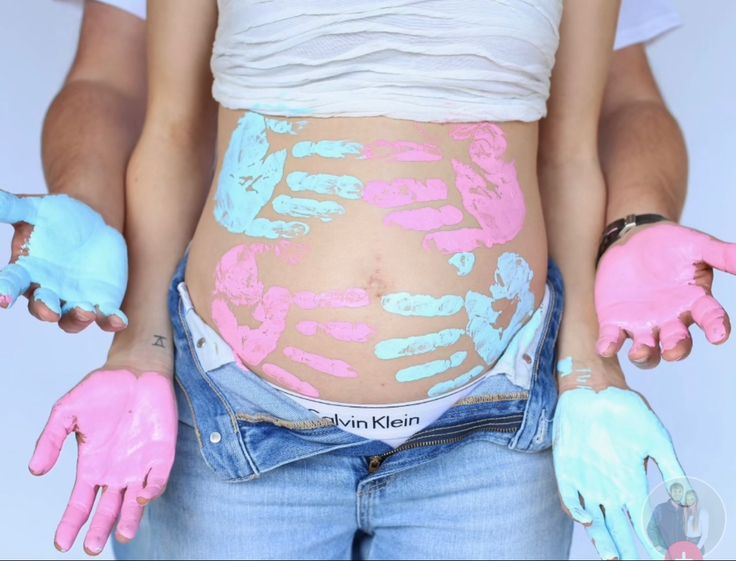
x,y
238,284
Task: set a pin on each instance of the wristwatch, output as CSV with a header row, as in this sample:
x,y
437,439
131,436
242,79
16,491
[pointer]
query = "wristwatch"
x,y
616,229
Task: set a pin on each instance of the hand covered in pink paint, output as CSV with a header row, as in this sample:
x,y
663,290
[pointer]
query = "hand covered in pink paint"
x,y
654,285
126,426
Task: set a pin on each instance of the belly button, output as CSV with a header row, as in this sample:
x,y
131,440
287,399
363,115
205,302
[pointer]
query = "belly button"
x,y
376,285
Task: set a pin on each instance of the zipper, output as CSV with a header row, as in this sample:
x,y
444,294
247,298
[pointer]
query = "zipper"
x,y
375,461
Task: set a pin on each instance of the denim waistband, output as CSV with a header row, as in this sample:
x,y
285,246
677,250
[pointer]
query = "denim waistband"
x,y
246,427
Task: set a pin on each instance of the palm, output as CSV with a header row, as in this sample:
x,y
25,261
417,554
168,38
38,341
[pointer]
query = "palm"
x,y
601,443
65,248
659,282
126,426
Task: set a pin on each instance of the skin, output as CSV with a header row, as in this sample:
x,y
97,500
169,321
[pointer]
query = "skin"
x,y
657,283
89,132
409,326
177,126
644,159
126,448
74,258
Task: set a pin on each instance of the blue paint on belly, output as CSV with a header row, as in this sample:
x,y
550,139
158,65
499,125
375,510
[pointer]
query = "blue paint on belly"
x,y
513,283
247,182
280,126
449,385
429,369
326,149
345,186
420,344
406,304
307,208
463,262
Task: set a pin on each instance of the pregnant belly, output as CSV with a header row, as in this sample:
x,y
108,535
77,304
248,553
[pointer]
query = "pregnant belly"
x,y
369,260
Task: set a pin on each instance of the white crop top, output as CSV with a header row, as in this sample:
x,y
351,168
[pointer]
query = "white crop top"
x,y
423,60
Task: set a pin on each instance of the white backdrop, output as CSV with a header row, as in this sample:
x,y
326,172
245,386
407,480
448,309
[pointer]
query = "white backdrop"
x,y
695,400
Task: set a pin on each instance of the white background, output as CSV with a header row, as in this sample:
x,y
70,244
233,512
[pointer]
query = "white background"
x,y
695,68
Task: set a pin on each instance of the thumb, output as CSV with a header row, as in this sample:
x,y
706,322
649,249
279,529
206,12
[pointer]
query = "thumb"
x,y
49,444
14,209
719,254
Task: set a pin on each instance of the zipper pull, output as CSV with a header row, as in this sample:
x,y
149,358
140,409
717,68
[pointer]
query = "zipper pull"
x,y
374,463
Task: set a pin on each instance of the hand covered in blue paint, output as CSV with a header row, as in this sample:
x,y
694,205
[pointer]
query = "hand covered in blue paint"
x,y
601,443
71,265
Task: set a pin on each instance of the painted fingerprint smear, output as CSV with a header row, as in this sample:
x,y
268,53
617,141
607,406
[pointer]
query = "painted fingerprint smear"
x,y
512,283
340,330
407,304
333,367
490,193
247,182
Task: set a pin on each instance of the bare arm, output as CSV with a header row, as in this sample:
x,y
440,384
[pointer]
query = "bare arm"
x,y
571,181
669,266
95,120
169,172
641,146
89,132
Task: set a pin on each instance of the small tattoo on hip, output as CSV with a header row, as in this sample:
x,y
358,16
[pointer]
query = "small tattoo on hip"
x,y
160,341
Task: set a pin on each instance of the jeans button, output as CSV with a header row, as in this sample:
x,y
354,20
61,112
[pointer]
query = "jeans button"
x,y
215,437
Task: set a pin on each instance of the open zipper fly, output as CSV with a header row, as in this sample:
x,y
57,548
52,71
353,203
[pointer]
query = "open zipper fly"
x,y
375,461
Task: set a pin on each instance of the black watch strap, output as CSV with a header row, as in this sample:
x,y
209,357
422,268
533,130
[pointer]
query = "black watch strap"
x,y
619,227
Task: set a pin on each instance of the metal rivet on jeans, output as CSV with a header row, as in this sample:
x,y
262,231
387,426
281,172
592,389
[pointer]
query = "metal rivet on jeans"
x,y
215,437
201,342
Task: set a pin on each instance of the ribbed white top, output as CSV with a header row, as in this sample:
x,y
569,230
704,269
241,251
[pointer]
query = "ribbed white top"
x,y
423,60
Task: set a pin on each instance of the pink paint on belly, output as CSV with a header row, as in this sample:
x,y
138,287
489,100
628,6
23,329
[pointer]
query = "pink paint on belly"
x,y
425,219
289,380
337,368
500,212
340,330
237,282
350,298
402,151
402,192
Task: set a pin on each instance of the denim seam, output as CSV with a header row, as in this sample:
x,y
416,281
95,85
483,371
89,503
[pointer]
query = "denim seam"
x,y
277,421
492,398
535,371
206,378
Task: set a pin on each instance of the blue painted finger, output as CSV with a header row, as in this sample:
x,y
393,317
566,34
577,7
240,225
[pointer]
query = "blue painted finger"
x,y
48,298
617,522
14,281
108,310
68,307
598,534
14,209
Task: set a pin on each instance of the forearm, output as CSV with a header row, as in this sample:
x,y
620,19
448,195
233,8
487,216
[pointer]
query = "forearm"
x,y
88,135
644,158
573,193
167,181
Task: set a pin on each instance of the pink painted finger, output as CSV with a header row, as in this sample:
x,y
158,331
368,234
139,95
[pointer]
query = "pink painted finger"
x,y
673,334
610,340
712,319
103,521
131,514
644,351
155,487
77,511
49,444
720,255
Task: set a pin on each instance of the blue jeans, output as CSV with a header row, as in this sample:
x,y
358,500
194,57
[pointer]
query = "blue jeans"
x,y
258,476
